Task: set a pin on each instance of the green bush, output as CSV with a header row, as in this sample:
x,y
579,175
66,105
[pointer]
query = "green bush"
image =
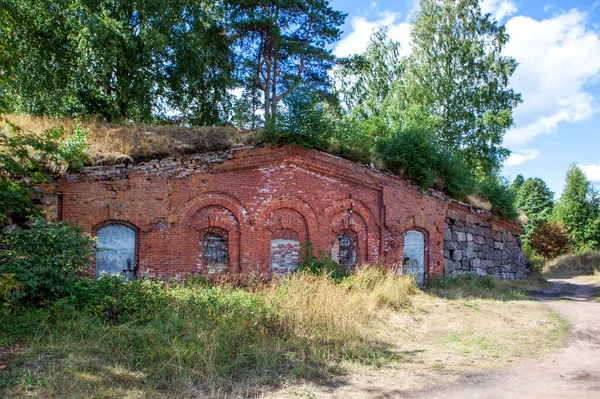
x,y
411,154
301,121
321,265
497,191
46,260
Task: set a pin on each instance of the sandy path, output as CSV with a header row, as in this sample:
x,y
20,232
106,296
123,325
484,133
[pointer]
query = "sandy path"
x,y
571,372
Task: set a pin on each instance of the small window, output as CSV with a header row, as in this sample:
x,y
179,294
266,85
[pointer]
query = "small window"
x,y
347,249
215,249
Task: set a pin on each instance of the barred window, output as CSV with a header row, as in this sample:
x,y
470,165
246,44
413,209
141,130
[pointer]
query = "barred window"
x,y
347,249
215,248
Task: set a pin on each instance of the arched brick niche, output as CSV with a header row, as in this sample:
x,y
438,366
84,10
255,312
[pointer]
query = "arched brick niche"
x,y
354,218
122,260
216,221
266,214
402,238
288,232
112,212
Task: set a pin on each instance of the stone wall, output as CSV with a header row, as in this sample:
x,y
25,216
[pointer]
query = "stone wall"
x,y
477,243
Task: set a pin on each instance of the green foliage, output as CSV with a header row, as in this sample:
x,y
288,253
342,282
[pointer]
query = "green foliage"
x,y
578,210
303,121
549,239
458,76
412,154
321,264
282,44
46,259
496,190
25,154
535,200
366,80
119,59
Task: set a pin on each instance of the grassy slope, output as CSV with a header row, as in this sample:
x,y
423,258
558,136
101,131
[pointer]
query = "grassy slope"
x,y
225,341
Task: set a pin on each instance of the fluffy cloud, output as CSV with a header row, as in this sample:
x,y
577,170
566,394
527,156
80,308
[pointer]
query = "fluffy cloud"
x,y
498,8
559,57
356,42
592,172
521,156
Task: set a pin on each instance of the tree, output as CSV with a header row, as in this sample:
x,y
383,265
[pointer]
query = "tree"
x,y
367,79
578,209
535,200
549,239
458,76
282,43
118,59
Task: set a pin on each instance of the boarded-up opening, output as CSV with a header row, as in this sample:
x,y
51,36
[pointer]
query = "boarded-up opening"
x,y
414,255
116,255
285,251
215,251
345,249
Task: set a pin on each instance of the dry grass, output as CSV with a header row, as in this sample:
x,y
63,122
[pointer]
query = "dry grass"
x,y
438,341
373,328
109,144
571,265
479,202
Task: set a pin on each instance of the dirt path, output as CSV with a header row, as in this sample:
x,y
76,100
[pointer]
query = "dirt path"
x,y
571,372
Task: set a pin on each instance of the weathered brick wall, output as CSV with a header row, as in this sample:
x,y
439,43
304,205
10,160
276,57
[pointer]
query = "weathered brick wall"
x,y
477,243
260,197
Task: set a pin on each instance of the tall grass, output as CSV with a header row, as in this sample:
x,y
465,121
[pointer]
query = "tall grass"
x,y
571,265
194,333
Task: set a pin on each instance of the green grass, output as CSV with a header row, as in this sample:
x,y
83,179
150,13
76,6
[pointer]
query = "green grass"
x,y
470,286
149,338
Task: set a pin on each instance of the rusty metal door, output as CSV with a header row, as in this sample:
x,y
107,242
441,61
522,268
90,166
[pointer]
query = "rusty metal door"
x,y
414,255
116,255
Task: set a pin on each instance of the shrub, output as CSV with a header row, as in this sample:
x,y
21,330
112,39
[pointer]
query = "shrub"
x,y
497,190
550,239
411,154
302,121
321,265
46,259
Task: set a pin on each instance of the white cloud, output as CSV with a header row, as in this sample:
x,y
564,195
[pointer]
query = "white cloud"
x,y
498,8
592,172
356,42
559,57
521,156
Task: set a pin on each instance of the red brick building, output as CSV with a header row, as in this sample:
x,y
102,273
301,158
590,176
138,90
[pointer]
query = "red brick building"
x,y
250,210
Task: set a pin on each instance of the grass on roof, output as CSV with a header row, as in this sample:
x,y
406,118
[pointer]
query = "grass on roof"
x,y
116,143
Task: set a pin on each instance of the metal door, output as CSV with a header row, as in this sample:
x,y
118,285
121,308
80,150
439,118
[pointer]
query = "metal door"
x,y
116,255
414,255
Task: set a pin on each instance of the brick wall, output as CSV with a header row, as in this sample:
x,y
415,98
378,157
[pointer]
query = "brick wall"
x,y
255,196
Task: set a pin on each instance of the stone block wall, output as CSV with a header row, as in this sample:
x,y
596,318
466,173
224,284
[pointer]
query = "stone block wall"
x,y
477,243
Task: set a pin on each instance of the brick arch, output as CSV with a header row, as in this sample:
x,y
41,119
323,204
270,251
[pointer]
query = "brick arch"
x,y
115,212
210,220
303,208
369,234
216,216
356,206
340,223
227,201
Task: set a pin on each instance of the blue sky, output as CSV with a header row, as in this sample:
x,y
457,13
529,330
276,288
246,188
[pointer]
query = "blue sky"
x,y
557,44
